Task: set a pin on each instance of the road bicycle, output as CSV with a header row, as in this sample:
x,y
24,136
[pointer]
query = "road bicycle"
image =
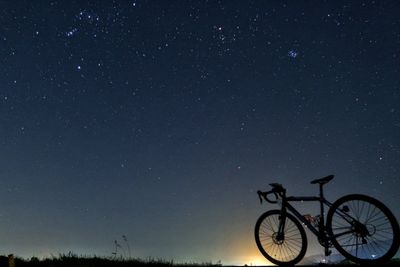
x,y
360,227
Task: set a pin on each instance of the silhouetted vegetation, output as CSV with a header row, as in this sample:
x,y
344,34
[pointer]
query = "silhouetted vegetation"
x,y
72,259
393,262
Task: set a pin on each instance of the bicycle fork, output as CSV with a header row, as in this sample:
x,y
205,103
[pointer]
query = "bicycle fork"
x,y
280,236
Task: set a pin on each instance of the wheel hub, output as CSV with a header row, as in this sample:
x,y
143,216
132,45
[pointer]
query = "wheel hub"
x,y
278,238
360,230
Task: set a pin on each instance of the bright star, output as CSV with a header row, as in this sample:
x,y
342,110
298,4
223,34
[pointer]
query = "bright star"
x,y
71,32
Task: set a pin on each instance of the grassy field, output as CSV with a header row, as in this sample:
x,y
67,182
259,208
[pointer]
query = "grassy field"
x,y
81,261
84,261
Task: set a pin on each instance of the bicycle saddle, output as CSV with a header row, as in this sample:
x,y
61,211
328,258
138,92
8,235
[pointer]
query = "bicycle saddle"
x,y
323,180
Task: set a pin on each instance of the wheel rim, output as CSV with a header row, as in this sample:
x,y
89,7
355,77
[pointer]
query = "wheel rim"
x,y
283,249
362,230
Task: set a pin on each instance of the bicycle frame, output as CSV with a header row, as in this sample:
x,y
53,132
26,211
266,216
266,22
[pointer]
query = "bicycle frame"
x,y
320,233
321,225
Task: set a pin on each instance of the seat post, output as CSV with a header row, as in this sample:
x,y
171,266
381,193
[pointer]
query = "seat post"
x,y
322,220
321,191
321,197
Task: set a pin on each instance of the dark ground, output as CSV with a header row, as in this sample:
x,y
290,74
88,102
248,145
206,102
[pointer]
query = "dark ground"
x,y
79,261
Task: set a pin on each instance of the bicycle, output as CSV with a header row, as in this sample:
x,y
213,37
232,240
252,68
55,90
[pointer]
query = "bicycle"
x,y
360,227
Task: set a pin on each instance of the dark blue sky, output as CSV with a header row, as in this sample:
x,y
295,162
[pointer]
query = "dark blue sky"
x,y
159,120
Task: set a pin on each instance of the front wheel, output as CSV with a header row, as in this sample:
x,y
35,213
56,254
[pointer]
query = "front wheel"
x,y
363,229
285,248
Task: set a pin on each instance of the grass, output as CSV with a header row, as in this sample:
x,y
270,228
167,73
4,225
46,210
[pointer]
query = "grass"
x,y
71,259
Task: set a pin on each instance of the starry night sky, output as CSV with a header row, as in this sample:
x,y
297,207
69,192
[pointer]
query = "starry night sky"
x,y
159,120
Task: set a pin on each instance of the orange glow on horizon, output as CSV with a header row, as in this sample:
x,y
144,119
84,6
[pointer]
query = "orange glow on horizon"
x,y
242,250
250,256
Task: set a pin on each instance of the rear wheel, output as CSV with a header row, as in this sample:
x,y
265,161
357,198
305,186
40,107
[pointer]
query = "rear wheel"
x,y
363,229
286,249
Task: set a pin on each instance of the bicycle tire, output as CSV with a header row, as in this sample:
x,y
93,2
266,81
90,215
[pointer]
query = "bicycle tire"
x,y
287,252
377,237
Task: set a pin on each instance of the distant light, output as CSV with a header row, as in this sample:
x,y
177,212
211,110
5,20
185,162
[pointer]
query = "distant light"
x,y
79,67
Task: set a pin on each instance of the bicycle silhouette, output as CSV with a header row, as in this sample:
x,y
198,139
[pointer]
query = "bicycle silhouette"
x,y
360,227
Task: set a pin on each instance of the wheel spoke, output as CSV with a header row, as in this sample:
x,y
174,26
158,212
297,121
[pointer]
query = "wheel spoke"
x,y
368,235
288,249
